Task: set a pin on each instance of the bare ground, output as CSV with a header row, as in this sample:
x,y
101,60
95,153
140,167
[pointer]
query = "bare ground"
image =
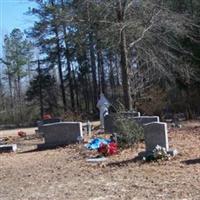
x,y
13,132
64,174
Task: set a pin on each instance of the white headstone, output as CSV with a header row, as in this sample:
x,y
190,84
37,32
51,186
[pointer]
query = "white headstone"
x,y
103,105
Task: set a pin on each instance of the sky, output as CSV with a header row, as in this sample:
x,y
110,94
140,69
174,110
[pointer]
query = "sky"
x,y
12,16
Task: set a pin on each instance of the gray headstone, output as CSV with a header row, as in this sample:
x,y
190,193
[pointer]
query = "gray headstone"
x,y
130,114
61,133
146,119
48,121
156,134
109,120
109,123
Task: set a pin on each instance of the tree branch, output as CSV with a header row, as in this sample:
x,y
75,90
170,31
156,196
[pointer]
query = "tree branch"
x,y
4,62
145,30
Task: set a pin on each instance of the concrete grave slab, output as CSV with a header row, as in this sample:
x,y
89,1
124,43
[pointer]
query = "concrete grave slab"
x,y
96,160
62,133
156,134
5,148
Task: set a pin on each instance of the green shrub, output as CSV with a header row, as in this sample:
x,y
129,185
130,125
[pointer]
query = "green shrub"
x,y
128,132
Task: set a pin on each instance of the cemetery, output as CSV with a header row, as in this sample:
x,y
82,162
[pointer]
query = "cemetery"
x,y
99,100
57,157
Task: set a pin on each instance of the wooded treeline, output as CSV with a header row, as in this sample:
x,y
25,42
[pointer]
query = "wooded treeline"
x,y
142,53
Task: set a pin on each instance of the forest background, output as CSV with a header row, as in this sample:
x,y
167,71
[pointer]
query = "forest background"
x,y
142,54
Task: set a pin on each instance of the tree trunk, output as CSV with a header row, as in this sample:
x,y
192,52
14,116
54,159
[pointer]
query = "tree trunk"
x,y
40,91
59,63
10,91
70,79
90,98
93,67
188,105
19,98
11,97
123,57
67,55
101,68
60,72
85,93
76,92
117,70
124,69
111,74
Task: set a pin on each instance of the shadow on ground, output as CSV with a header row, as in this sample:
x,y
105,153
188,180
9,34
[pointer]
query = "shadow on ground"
x,y
125,162
42,147
191,162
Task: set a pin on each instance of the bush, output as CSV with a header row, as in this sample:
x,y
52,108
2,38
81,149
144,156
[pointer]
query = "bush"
x,y
128,132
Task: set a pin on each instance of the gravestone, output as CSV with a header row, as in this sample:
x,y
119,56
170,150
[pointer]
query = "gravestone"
x,y
87,128
155,134
146,120
110,125
62,133
130,114
103,105
48,121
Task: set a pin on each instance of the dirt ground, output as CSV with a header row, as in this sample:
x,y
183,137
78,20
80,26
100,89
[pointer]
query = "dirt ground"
x,y
13,132
63,173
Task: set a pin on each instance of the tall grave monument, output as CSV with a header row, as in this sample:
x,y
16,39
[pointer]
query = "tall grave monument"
x,y
103,104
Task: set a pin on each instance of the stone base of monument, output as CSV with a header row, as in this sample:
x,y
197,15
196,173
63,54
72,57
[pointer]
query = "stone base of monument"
x,y
171,152
6,148
49,146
